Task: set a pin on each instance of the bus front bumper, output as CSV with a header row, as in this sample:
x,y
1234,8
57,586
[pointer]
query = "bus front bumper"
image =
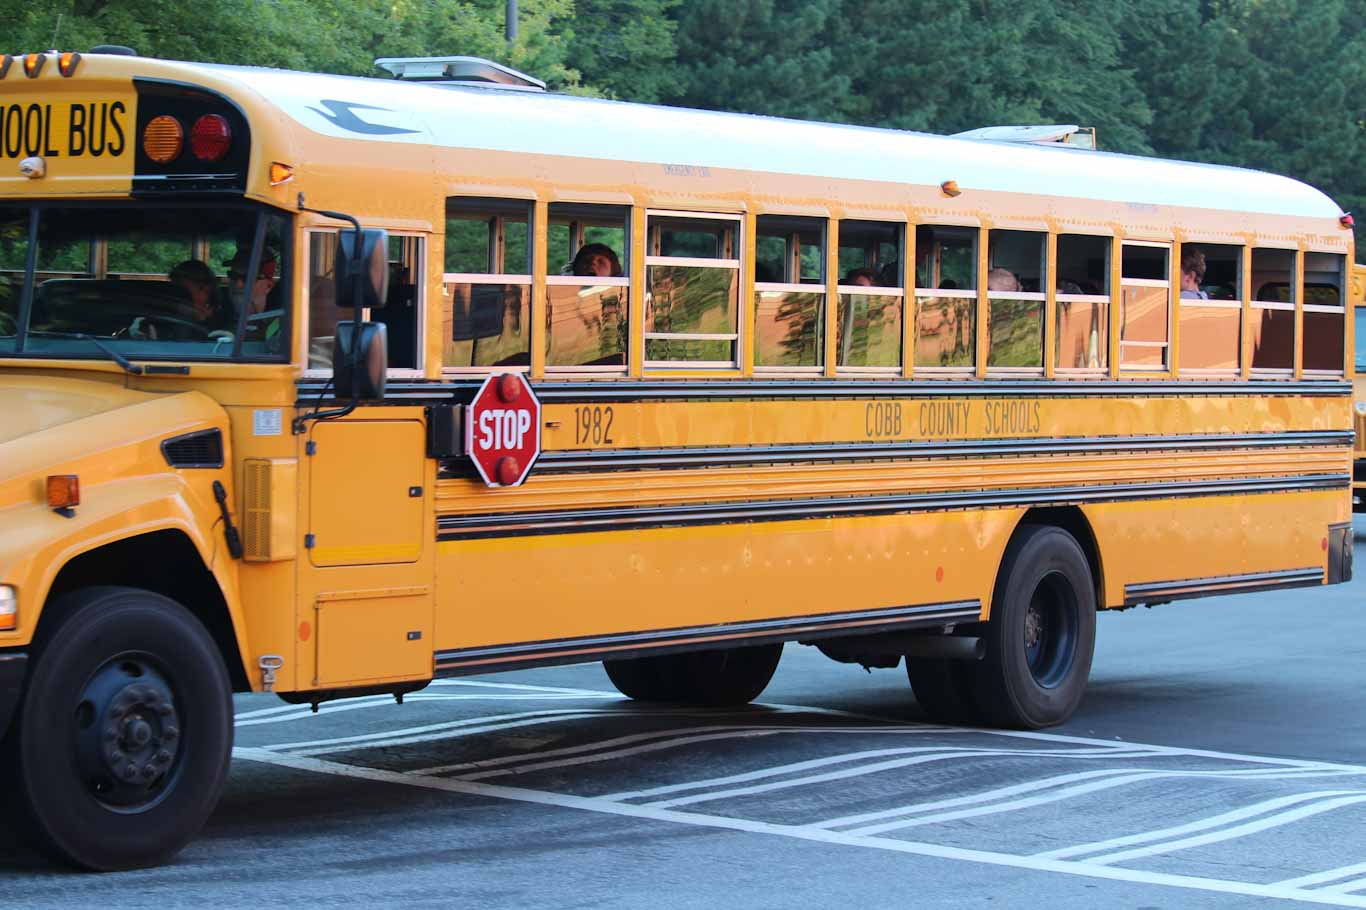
x,y
13,665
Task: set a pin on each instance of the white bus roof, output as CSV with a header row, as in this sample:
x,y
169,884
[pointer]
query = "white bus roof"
x,y
389,110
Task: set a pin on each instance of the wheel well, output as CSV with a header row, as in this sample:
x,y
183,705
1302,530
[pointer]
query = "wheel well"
x,y
1071,520
165,562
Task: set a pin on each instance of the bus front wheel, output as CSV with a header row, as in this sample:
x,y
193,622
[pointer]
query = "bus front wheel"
x,y
125,731
1042,632
732,676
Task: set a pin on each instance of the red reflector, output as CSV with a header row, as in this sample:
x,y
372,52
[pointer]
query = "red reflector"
x,y
1347,220
63,491
509,388
508,470
210,137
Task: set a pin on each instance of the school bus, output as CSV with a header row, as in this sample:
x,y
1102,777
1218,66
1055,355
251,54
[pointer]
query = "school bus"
x,y
327,386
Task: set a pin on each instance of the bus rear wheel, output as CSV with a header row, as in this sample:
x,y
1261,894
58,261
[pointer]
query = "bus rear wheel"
x,y
732,676
1042,632
125,731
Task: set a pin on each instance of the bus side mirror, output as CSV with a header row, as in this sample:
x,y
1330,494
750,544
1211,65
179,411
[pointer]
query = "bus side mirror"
x,y
360,377
362,269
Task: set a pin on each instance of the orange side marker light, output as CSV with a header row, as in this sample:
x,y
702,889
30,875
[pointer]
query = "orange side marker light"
x,y
63,493
67,63
33,64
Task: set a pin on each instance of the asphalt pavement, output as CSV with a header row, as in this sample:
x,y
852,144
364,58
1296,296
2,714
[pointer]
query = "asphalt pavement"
x,y
1219,760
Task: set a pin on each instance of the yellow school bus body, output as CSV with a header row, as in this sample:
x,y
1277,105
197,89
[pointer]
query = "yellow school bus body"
x,y
597,555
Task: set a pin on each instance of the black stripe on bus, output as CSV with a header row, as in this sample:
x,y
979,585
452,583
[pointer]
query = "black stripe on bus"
x,y
723,635
567,521
401,392
1162,591
724,456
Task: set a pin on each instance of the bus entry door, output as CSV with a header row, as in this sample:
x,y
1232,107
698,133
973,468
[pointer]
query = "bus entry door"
x,y
368,583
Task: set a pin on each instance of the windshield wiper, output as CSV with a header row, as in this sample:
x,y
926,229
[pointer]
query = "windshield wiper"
x,y
128,365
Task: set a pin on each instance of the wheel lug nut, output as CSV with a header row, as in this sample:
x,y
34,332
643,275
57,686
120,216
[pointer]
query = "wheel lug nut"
x,y
116,756
164,709
170,733
131,771
163,756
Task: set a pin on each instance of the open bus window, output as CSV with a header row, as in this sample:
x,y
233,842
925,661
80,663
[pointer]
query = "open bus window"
x,y
1211,326
1016,279
692,290
1272,325
1083,298
587,288
868,320
487,281
1325,313
1145,306
789,292
151,282
946,299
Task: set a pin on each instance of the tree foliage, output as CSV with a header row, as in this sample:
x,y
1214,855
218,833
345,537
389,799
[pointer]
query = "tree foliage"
x,y
1268,85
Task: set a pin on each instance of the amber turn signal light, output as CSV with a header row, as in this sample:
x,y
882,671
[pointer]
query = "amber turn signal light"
x,y
280,173
9,608
63,491
950,188
66,63
33,64
163,138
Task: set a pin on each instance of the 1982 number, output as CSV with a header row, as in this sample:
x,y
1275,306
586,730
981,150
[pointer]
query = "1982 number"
x,y
593,425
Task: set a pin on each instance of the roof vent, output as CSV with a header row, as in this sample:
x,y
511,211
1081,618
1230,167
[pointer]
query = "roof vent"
x,y
1068,134
468,71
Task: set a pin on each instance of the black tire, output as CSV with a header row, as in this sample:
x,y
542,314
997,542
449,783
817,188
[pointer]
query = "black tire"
x,y
944,689
125,730
733,676
1042,632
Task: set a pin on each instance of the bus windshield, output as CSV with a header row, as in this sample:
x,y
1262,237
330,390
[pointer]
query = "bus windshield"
x,y
148,282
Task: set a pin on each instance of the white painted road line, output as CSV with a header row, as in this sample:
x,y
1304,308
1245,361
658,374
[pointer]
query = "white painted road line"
x,y
1063,793
818,835
602,750
1323,878
1274,821
935,754
1033,786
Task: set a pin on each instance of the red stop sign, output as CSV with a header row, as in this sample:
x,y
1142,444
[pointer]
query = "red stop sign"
x,y
503,430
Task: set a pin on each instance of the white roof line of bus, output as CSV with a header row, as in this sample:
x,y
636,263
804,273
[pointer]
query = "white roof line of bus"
x,y
554,124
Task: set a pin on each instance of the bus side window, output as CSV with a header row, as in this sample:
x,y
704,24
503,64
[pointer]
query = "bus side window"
x,y
588,288
1325,314
1016,291
946,300
869,312
486,310
402,310
1145,306
1083,296
789,292
1272,323
1211,326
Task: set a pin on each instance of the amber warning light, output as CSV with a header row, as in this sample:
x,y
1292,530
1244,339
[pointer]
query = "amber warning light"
x,y
63,492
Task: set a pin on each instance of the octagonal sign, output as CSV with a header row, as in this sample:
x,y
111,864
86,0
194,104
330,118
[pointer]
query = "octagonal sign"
x,y
503,430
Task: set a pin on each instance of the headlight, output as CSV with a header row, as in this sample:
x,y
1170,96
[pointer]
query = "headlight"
x,y
9,607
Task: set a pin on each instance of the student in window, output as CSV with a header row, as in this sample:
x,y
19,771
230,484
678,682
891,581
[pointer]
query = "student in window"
x,y
264,314
999,279
596,259
1192,272
864,278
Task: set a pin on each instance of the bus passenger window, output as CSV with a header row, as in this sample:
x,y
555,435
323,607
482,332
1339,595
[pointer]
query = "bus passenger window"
x,y
1145,306
1325,314
789,292
1273,314
945,299
1211,310
868,317
486,314
1016,281
1083,297
692,290
587,288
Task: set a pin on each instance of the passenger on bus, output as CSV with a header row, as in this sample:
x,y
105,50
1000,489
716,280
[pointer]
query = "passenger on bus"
x,y
999,279
201,284
1069,287
1192,272
596,259
264,318
864,278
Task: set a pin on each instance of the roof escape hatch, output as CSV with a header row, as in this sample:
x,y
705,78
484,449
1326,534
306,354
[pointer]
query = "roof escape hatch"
x,y
470,72
1064,134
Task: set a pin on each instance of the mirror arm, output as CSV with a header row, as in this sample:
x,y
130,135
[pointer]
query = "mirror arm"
x,y
299,424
